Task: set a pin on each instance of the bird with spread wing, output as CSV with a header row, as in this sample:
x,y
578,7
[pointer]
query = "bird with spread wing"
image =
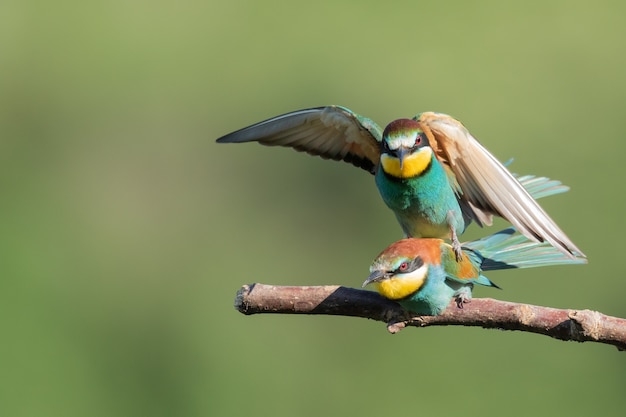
x,y
430,171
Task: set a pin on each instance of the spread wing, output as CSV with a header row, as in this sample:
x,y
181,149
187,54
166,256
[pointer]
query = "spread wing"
x,y
487,186
331,132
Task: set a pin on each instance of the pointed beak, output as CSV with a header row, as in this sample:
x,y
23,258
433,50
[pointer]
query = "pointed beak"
x,y
375,276
401,153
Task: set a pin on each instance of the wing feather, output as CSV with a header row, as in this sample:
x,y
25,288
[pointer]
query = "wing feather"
x,y
331,132
487,186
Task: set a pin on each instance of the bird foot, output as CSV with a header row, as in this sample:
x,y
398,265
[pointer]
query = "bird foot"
x,y
458,251
456,245
463,296
460,300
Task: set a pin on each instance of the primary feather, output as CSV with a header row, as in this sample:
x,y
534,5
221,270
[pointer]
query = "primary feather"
x,y
331,132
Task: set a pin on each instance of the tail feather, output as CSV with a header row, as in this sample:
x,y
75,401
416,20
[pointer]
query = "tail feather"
x,y
539,187
507,249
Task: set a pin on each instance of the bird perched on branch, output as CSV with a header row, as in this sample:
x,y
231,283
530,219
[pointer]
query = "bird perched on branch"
x,y
424,275
430,171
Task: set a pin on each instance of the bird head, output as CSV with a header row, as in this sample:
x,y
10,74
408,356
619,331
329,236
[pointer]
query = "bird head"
x,y
406,152
402,268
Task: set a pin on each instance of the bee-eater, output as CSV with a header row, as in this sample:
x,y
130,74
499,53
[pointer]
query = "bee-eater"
x,y
424,275
430,171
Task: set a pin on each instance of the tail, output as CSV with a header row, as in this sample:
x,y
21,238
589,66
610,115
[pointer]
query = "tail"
x,y
508,249
539,187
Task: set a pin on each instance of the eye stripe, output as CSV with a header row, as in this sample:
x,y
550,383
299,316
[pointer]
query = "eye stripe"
x,y
410,266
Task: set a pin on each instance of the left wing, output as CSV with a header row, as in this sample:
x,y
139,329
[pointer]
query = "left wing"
x,y
332,132
487,186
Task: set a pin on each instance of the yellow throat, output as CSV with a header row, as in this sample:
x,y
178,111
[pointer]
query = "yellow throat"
x,y
412,165
400,287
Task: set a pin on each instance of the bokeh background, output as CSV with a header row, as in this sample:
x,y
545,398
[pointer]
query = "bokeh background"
x,y
125,230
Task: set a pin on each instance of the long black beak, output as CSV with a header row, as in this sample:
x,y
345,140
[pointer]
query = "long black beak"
x,y
375,276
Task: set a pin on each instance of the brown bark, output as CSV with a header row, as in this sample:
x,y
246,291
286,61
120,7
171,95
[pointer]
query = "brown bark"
x,y
576,325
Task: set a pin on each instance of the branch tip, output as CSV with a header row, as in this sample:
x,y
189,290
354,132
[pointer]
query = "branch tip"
x,y
395,326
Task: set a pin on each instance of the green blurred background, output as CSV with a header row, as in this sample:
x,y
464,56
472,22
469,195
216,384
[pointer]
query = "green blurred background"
x,y
125,230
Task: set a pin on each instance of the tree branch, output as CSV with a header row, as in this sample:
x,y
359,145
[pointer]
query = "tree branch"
x,y
576,325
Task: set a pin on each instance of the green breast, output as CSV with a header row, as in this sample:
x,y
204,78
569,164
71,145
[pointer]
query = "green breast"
x,y
422,203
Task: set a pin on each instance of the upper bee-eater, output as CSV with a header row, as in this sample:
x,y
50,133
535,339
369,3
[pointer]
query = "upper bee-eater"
x,y
424,275
429,170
